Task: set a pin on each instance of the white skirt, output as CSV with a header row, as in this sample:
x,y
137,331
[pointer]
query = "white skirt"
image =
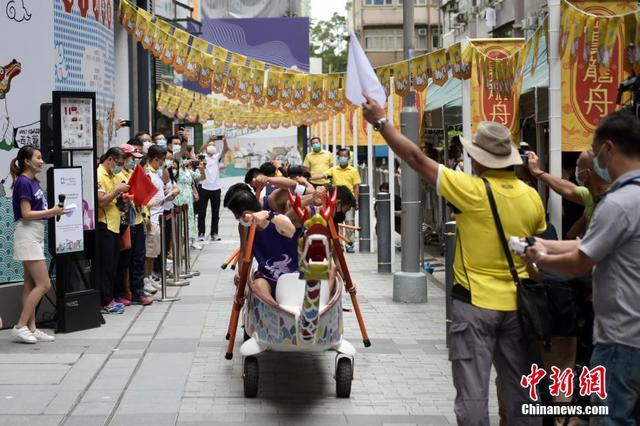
x,y
28,241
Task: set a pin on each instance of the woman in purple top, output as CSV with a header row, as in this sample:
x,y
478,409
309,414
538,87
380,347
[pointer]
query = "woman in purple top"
x,y
30,211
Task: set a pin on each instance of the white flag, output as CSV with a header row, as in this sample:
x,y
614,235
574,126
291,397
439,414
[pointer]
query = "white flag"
x,y
361,77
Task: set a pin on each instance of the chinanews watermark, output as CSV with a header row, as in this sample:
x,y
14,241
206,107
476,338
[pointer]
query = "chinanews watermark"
x,y
562,383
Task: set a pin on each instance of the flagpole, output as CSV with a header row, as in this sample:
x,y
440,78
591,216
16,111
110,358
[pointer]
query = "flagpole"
x,y
372,190
342,130
555,111
391,159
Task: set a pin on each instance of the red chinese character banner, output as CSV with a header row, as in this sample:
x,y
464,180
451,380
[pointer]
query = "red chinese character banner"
x,y
593,64
496,77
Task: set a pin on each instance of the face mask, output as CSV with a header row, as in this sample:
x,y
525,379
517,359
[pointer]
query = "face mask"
x,y
343,161
161,142
117,169
175,148
168,164
145,147
211,150
579,180
130,164
603,172
137,161
315,147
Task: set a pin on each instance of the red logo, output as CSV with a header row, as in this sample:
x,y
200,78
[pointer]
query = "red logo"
x,y
591,381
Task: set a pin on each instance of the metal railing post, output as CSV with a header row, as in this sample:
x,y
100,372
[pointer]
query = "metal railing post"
x,y
363,216
177,279
383,231
163,264
184,240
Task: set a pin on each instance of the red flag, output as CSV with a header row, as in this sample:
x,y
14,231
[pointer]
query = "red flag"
x,y
142,189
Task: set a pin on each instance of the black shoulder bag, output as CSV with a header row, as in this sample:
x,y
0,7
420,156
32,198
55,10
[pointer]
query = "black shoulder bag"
x,y
533,310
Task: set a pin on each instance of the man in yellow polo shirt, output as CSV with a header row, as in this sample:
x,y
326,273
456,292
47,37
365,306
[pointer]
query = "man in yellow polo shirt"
x,y
344,175
485,327
318,161
108,229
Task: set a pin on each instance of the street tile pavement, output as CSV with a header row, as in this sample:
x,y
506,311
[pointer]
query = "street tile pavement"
x,y
164,364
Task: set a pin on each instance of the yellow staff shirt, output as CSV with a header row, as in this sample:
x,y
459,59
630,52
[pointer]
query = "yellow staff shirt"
x,y
109,214
522,214
347,176
318,163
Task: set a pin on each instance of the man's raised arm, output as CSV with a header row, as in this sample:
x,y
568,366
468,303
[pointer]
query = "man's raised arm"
x,y
401,145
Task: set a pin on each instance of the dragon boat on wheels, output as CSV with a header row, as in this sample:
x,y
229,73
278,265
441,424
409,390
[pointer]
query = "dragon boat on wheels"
x,y
309,314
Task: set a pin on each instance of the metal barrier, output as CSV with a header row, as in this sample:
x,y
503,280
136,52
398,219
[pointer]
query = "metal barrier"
x,y
163,265
363,217
450,251
187,251
176,229
383,230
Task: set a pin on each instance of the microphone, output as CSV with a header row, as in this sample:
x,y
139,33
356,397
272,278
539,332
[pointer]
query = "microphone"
x,y
61,198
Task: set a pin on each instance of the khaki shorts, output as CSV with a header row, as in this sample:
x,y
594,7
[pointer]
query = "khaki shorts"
x,y
152,241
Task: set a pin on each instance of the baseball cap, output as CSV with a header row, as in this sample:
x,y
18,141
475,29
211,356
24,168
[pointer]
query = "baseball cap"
x,y
129,149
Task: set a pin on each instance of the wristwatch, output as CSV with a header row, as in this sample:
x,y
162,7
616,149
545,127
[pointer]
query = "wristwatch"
x,y
378,126
272,214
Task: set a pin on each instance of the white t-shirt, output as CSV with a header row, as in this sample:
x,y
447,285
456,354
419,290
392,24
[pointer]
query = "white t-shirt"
x,y
157,210
168,205
211,181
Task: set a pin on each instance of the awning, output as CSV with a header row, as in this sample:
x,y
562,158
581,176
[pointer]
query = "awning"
x,y
447,95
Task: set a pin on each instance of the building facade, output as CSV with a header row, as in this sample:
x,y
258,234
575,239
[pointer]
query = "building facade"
x,y
378,25
490,18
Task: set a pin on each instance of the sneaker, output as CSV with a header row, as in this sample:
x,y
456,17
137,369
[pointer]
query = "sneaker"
x,y
122,301
23,334
196,246
350,249
147,294
113,308
155,278
149,287
157,286
214,237
201,238
41,336
142,300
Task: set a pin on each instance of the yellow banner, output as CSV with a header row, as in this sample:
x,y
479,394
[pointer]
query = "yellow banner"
x,y
589,90
488,103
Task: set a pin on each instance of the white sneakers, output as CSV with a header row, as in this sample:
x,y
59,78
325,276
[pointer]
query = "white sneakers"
x,y
23,334
41,336
196,246
150,285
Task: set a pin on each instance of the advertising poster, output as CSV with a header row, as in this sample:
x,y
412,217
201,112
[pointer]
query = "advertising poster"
x,y
77,125
588,90
69,235
26,70
487,105
84,159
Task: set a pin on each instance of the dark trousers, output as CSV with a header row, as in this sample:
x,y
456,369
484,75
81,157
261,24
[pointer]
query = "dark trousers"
x,y
124,260
108,254
136,266
168,232
207,197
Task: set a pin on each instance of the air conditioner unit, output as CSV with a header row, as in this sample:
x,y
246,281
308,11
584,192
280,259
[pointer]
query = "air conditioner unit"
x,y
422,32
462,17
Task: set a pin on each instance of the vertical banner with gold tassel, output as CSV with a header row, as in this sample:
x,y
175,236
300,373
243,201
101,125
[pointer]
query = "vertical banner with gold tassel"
x,y
489,102
589,88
